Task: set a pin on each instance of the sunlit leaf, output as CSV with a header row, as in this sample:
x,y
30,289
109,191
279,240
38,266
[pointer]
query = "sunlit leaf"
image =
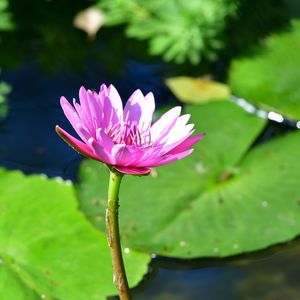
x,y
48,249
270,77
197,90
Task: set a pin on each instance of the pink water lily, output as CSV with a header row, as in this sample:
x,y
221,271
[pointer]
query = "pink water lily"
x,y
125,138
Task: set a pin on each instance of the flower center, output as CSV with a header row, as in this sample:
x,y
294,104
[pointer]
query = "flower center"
x,y
129,134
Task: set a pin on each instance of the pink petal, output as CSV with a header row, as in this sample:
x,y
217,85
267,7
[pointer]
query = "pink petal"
x,y
147,113
177,132
104,139
133,108
84,119
77,145
116,101
87,116
133,171
153,161
126,154
112,107
83,133
164,124
171,158
190,141
71,115
96,109
175,137
100,152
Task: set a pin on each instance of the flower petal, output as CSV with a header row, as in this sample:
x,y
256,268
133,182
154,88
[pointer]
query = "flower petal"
x,y
164,124
127,154
147,113
133,170
100,152
72,115
112,107
77,145
96,109
176,136
133,108
87,116
155,161
190,141
170,158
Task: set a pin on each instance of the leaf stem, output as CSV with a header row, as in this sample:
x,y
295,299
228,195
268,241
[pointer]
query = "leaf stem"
x,y
113,236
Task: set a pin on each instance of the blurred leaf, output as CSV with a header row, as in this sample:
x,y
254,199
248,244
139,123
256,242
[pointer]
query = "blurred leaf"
x,y
270,77
178,30
197,90
5,17
4,90
48,248
222,200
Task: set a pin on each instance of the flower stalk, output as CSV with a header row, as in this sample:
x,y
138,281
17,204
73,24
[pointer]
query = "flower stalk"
x,y
113,236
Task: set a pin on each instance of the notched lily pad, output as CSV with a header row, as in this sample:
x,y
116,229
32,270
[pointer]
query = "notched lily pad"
x,y
224,199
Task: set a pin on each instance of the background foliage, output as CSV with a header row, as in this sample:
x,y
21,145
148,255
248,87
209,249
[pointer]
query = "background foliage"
x,y
5,16
177,30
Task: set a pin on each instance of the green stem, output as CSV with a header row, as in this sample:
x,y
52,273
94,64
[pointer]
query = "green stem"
x,y
113,236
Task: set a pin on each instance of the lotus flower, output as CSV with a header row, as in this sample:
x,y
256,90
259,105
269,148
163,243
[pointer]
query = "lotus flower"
x,y
124,138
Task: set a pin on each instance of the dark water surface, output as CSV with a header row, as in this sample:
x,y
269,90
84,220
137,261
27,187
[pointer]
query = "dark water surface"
x,y
272,274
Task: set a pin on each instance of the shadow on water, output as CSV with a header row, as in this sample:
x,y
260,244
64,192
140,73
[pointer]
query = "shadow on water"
x,y
271,274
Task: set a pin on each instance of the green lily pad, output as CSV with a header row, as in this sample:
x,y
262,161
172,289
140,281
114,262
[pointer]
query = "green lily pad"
x,y
270,77
197,90
47,247
224,199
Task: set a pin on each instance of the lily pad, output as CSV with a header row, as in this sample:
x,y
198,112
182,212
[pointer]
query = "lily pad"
x,y
48,249
197,90
224,199
270,77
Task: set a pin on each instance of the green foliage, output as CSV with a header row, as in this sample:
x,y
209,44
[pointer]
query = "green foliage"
x,y
177,30
5,17
270,76
4,90
224,199
48,248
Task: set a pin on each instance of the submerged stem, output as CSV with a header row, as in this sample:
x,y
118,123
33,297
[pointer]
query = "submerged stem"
x,y
113,236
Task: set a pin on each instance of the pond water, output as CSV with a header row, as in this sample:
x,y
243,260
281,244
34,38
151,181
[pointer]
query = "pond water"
x,y
34,110
29,143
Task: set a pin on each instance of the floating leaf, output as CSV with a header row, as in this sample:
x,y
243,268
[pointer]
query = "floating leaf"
x,y
221,200
270,78
197,90
48,249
